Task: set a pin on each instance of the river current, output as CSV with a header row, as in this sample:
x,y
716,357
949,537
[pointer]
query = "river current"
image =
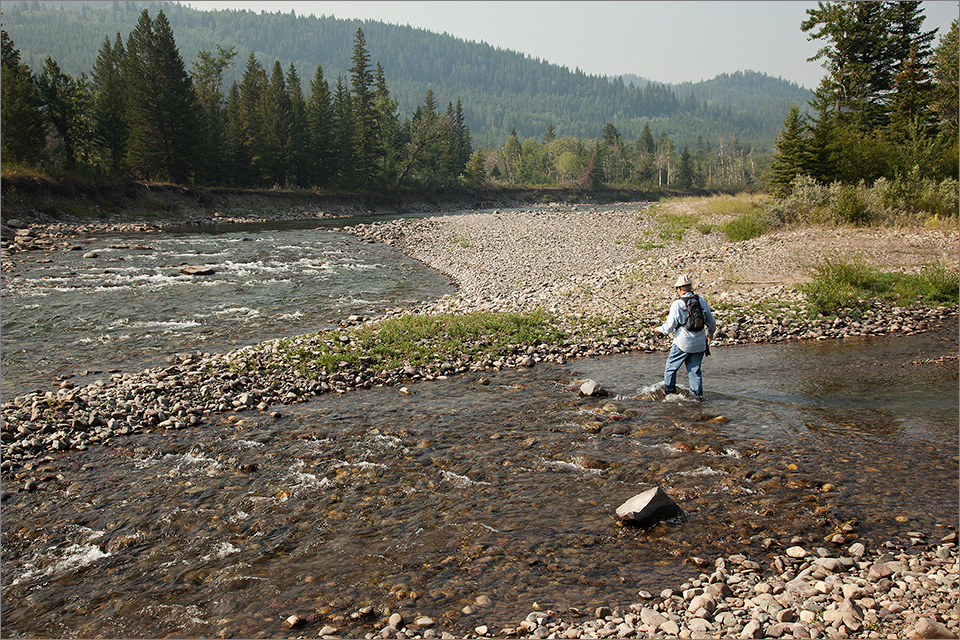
x,y
497,484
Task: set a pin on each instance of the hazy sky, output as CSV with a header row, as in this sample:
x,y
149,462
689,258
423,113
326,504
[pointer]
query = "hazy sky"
x,y
665,41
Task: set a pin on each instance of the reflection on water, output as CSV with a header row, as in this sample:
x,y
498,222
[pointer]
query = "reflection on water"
x,y
422,503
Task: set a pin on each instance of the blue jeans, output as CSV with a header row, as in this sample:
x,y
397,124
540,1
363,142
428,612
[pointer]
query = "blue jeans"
x,y
692,360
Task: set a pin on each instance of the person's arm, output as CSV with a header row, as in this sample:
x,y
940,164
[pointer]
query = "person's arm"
x,y
673,319
708,319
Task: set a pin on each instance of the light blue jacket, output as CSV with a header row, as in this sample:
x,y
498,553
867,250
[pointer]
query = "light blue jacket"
x,y
688,341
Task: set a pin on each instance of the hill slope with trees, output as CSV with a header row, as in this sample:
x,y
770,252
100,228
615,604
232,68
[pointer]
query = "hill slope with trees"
x,y
501,91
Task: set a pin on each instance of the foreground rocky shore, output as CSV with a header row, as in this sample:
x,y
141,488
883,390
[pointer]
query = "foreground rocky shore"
x,y
604,275
806,591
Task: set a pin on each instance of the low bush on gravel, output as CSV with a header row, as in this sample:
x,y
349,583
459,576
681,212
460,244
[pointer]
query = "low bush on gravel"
x,y
840,282
905,201
418,340
747,226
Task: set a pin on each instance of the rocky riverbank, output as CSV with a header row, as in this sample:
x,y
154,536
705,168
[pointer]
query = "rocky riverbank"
x,y
806,591
605,276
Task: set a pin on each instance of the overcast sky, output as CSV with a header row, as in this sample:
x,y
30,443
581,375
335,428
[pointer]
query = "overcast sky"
x,y
667,42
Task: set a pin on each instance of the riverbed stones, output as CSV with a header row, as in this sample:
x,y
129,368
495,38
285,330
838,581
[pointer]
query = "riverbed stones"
x,y
899,596
765,603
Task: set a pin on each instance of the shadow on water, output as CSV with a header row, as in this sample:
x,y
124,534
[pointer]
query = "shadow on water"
x,y
501,484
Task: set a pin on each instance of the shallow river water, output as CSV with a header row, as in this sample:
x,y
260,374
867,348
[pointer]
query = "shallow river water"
x,y
498,484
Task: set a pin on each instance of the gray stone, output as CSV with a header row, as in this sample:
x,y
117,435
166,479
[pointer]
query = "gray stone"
x,y
927,628
192,270
648,508
651,618
593,389
670,628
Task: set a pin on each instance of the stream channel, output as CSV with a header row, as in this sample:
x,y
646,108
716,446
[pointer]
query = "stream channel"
x,y
500,484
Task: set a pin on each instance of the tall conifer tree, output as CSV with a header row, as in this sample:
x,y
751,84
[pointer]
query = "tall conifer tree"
x,y
320,119
364,125
252,86
344,122
22,122
109,124
161,104
299,146
277,111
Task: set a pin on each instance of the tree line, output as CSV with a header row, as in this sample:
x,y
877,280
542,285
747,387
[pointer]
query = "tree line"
x,y
501,90
141,114
887,105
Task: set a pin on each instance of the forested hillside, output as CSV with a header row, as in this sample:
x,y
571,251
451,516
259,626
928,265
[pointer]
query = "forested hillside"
x,y
500,90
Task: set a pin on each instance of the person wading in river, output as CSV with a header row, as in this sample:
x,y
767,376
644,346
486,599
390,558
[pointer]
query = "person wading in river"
x,y
691,340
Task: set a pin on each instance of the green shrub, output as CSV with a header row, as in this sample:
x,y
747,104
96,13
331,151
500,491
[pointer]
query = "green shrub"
x,y
747,226
908,200
847,205
840,282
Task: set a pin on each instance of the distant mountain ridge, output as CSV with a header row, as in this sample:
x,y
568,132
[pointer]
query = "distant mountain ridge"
x,y
501,90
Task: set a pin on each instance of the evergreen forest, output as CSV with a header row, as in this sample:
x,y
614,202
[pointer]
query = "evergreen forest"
x,y
159,91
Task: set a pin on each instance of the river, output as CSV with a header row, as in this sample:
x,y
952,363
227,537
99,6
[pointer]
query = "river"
x,y
497,484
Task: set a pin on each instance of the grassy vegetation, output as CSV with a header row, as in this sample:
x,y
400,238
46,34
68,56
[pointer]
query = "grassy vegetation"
x,y
840,282
747,226
673,225
751,217
418,340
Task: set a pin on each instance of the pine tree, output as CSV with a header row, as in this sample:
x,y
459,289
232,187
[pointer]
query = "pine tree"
x,y
646,144
475,171
22,122
462,142
320,119
387,127
252,87
793,153
235,158
161,104
685,170
549,135
343,148
911,113
364,125
207,76
277,111
857,60
299,147
109,125
822,143
65,101
947,77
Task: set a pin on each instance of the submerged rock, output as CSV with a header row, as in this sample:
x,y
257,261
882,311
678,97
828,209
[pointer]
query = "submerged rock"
x,y
192,270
